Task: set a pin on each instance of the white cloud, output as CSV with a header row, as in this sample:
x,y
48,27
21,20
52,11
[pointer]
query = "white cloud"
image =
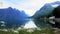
x,y
30,12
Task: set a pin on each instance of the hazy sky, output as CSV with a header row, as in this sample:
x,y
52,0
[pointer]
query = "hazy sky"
x,y
29,6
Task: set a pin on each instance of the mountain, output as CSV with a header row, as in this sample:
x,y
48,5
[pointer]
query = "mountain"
x,y
57,2
46,10
12,17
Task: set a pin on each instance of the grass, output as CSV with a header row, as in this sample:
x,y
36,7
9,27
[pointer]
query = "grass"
x,y
20,30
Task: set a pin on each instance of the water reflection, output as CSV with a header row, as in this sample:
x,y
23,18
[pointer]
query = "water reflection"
x,y
30,24
36,23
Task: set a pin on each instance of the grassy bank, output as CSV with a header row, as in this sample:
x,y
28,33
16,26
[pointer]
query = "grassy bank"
x,y
21,30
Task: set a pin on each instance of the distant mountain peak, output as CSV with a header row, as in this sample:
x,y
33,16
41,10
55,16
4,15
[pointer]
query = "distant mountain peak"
x,y
10,7
57,2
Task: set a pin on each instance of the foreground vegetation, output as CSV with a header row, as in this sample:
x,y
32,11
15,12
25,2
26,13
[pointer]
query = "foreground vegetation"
x,y
21,30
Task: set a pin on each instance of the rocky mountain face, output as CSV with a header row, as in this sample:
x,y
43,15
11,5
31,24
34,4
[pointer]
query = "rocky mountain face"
x,y
10,16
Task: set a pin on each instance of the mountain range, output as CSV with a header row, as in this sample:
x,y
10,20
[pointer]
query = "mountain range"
x,y
46,10
12,16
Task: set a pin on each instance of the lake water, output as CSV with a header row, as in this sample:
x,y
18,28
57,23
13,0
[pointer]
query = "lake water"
x,y
29,24
36,23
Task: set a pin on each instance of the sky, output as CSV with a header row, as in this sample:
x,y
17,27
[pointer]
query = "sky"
x,y
29,6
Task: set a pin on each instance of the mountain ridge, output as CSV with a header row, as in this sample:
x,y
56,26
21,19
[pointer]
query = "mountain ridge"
x,y
12,17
